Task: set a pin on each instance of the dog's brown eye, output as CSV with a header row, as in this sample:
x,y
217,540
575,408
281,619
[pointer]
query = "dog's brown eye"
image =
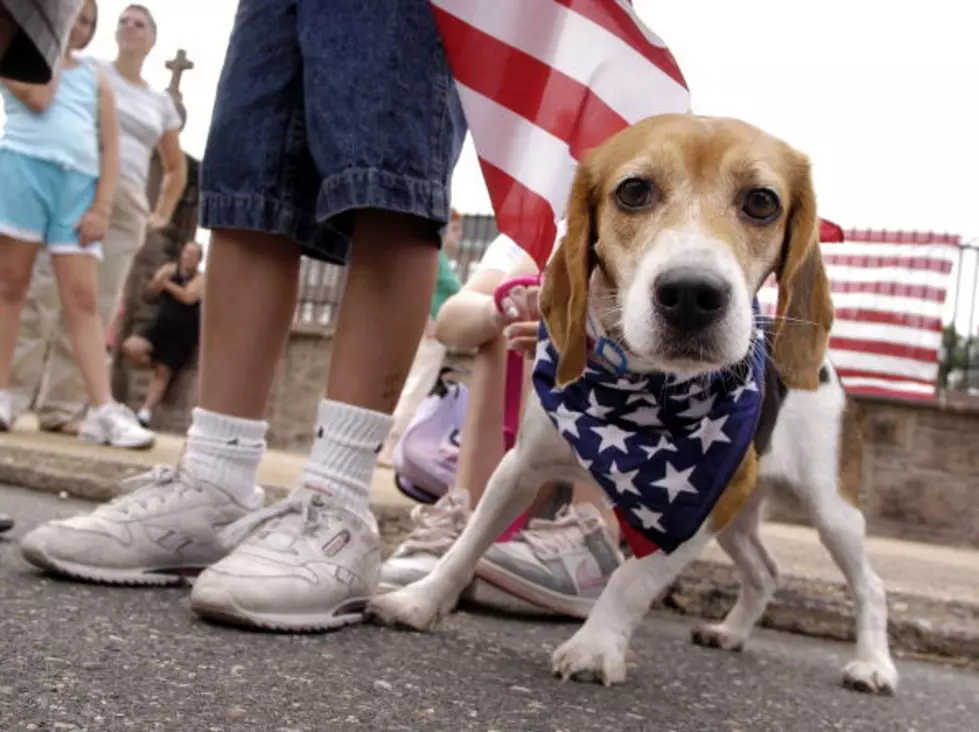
x,y
634,194
761,205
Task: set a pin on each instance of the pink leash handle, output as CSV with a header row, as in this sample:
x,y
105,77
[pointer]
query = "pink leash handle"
x,y
514,388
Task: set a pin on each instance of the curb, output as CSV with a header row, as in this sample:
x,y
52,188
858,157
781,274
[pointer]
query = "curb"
x,y
920,626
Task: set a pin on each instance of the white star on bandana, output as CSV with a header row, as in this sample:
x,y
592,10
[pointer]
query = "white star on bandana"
x,y
624,481
676,481
612,437
650,519
699,408
710,431
664,445
567,421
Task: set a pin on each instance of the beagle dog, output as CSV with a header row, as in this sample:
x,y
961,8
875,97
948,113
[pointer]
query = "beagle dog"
x,y
654,379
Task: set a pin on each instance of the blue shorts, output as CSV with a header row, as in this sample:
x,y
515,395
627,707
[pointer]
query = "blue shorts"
x,y
327,107
42,202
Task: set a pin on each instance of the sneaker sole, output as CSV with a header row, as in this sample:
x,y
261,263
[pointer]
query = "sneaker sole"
x,y
120,445
514,584
105,576
220,607
485,595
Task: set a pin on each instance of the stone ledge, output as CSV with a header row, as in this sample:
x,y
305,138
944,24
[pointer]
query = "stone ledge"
x,y
920,626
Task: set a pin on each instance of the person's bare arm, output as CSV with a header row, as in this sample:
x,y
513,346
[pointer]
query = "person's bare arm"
x,y
36,97
92,226
109,143
188,294
155,286
174,179
469,318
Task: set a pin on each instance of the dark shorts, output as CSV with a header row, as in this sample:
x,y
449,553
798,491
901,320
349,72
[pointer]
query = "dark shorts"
x,y
173,347
325,107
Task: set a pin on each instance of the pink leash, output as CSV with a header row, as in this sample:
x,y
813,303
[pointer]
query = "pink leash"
x,y
513,392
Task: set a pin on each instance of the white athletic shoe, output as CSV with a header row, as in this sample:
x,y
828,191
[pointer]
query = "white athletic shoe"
x,y
300,565
115,425
164,530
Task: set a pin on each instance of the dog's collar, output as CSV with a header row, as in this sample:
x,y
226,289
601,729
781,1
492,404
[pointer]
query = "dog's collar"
x,y
604,350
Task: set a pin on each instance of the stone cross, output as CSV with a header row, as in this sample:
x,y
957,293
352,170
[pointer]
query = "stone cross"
x,y
177,66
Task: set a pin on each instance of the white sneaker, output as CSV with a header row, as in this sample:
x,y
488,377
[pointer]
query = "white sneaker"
x,y
165,529
561,565
301,565
434,529
115,425
6,411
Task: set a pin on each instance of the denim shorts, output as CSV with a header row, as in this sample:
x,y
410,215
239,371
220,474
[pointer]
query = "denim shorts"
x,y
45,204
327,107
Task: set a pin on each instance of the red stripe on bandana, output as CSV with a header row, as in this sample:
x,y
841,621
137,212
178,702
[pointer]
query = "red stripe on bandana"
x,y
639,544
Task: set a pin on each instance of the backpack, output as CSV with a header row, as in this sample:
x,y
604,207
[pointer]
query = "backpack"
x,y
426,456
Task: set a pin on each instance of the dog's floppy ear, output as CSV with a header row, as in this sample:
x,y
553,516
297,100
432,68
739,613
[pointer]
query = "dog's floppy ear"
x,y
564,294
805,306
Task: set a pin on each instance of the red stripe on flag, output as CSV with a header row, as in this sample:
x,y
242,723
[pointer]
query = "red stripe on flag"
x,y
891,393
885,317
893,289
617,21
882,375
884,348
902,237
870,261
537,92
521,214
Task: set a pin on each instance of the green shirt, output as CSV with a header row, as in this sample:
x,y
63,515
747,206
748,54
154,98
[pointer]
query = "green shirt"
x,y
446,285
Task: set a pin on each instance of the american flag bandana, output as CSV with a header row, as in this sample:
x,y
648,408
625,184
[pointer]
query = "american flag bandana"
x,y
662,448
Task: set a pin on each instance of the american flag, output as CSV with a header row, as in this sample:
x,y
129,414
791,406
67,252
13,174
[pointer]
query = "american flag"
x,y
889,289
541,83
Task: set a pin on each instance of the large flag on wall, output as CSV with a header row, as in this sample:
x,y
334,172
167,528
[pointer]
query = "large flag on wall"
x,y
541,83
889,289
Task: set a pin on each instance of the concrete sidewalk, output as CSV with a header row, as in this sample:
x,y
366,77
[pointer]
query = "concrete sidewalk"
x,y
933,590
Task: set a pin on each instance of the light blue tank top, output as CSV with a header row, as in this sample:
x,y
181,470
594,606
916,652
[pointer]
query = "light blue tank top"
x,y
66,133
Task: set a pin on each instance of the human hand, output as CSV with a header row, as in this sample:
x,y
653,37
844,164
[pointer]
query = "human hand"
x,y
156,222
91,227
520,318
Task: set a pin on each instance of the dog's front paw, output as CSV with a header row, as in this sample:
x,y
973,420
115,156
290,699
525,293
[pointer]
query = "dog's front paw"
x,y
717,636
871,677
589,656
416,606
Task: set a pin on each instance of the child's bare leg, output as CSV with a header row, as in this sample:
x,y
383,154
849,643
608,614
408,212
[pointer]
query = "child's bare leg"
x,y
16,264
77,277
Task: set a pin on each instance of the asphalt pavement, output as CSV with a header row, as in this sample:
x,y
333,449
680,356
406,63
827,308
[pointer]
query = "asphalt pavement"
x,y
83,657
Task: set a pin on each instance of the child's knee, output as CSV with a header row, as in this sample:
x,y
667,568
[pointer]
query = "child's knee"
x,y
80,300
14,286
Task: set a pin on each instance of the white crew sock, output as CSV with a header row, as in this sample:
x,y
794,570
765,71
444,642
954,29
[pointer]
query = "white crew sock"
x,y
344,455
225,451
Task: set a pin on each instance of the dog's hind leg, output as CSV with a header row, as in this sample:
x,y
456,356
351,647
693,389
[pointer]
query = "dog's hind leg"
x,y
759,579
536,458
597,651
824,434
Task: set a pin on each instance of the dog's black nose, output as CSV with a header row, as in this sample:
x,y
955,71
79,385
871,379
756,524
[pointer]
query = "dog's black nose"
x,y
689,298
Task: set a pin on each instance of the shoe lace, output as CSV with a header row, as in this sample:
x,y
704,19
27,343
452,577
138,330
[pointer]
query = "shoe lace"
x,y
550,538
436,527
154,487
311,509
